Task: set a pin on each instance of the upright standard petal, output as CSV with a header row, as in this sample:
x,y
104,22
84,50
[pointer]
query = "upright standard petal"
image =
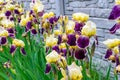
x,y
83,41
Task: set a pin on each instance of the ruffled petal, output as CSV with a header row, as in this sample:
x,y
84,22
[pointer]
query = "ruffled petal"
x,y
78,26
83,41
80,53
71,40
7,13
3,40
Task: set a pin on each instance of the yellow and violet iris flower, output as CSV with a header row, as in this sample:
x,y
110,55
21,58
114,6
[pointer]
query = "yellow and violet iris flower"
x,y
54,57
89,29
112,52
3,36
16,43
74,72
51,41
114,15
37,6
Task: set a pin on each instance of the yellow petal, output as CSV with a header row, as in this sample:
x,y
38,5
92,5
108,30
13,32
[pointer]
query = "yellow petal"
x,y
52,57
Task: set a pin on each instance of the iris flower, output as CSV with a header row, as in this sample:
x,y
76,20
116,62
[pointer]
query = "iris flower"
x,y
80,17
15,44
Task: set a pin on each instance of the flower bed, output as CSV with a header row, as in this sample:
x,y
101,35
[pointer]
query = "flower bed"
x,y
35,45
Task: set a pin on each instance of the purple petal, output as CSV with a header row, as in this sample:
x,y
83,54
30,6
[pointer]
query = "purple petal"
x,y
80,53
26,30
11,35
23,51
51,20
115,13
59,39
108,53
31,11
41,30
35,20
19,20
29,25
83,41
117,60
56,48
56,19
16,11
3,40
41,13
114,28
12,49
7,13
48,68
78,26
64,51
71,40
11,30
11,19
34,31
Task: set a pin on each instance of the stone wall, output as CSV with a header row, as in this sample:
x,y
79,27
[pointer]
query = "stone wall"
x,y
49,4
98,10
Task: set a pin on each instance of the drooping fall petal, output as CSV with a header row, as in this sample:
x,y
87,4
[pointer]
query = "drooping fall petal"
x,y
48,68
80,53
108,53
83,41
71,40
115,13
12,49
114,28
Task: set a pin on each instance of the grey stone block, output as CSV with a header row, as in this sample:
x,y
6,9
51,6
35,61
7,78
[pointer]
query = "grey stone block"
x,y
103,23
103,3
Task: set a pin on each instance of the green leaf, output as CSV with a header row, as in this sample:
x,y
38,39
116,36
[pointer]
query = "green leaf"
x,y
4,76
93,49
108,73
